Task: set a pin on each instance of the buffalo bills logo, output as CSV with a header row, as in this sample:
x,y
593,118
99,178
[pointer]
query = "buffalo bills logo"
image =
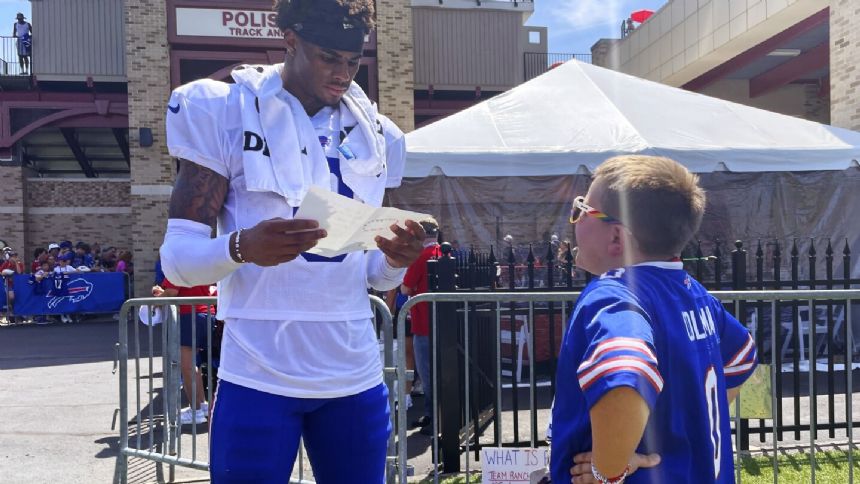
x,y
74,291
688,282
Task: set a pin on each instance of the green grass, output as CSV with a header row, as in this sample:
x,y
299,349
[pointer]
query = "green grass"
x,y
831,468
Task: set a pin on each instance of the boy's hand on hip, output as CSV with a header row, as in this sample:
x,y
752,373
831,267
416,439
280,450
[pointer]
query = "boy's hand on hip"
x,y
581,471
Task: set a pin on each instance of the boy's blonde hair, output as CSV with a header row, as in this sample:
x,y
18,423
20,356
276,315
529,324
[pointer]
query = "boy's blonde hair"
x,y
657,198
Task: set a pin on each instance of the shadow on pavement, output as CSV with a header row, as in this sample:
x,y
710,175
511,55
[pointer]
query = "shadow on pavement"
x,y
32,345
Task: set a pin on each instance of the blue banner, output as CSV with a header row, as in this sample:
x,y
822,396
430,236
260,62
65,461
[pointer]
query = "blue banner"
x,y
95,292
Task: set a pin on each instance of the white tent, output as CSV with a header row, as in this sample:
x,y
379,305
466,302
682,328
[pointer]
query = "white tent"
x,y
512,164
580,114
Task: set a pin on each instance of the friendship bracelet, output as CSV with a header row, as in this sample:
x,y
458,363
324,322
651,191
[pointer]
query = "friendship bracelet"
x,y
236,246
609,480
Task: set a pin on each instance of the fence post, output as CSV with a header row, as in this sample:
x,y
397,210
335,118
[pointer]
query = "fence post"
x,y
448,387
739,283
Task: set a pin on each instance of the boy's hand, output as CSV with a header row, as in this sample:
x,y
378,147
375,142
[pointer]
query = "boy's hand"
x,y
581,471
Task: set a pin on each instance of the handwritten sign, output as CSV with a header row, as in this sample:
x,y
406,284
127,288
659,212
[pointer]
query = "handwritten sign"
x,y
501,465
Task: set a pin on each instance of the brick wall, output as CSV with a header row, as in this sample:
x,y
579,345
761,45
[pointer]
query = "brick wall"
x,y
395,62
151,169
844,59
78,209
12,222
108,229
77,193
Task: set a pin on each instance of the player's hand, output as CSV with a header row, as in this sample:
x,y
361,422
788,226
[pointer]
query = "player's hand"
x,y
406,245
581,471
157,291
275,241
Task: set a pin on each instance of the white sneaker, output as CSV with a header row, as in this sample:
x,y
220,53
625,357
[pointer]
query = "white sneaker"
x,y
188,416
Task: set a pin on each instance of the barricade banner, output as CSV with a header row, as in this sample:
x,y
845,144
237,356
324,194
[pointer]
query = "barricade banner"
x,y
69,293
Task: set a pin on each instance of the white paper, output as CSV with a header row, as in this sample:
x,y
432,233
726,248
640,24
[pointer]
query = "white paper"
x,y
351,225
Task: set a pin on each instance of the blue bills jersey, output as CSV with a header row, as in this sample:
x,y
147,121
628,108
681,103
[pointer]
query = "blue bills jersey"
x,y
653,328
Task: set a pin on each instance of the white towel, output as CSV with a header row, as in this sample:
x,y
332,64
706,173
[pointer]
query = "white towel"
x,y
293,159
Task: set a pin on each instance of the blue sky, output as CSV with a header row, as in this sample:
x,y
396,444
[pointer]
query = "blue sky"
x,y
8,10
575,25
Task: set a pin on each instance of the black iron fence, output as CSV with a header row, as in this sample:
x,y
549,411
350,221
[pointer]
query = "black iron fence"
x,y
549,269
537,63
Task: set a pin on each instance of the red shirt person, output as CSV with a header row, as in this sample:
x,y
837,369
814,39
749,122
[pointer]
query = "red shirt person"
x,y
193,335
415,283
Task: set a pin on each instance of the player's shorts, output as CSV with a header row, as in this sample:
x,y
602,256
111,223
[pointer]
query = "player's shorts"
x,y
255,436
186,329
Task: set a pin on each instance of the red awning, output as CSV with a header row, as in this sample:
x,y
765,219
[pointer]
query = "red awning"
x,y
641,15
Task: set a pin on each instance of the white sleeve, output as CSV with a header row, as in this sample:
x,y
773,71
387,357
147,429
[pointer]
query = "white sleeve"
x,y
194,125
190,257
395,154
380,275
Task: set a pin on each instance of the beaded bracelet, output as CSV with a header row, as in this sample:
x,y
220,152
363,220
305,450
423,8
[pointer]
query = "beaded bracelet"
x,y
236,246
609,480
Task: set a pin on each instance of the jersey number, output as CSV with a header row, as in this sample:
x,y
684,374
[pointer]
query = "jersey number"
x,y
712,398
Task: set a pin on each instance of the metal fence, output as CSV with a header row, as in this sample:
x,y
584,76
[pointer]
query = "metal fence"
x,y
774,264
154,431
537,63
468,388
9,65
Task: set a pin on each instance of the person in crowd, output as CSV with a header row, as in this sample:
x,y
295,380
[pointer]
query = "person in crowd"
x,y
13,262
23,33
193,324
123,263
108,259
65,246
650,360
415,283
40,256
299,346
10,268
82,256
54,250
45,270
64,266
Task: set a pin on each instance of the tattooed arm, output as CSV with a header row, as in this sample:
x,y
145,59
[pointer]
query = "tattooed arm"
x,y
199,196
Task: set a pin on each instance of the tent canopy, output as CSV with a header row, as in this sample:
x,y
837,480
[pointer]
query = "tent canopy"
x,y
577,115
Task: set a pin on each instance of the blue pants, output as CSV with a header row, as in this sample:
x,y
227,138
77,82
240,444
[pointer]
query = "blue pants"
x,y
424,365
199,326
255,436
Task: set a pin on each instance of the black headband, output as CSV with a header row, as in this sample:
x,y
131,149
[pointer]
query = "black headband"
x,y
337,35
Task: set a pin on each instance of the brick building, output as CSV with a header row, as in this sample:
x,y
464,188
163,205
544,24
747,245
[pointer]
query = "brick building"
x,y
795,57
82,142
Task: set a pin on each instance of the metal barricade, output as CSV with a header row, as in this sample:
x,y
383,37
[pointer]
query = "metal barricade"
x,y
457,309
162,415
